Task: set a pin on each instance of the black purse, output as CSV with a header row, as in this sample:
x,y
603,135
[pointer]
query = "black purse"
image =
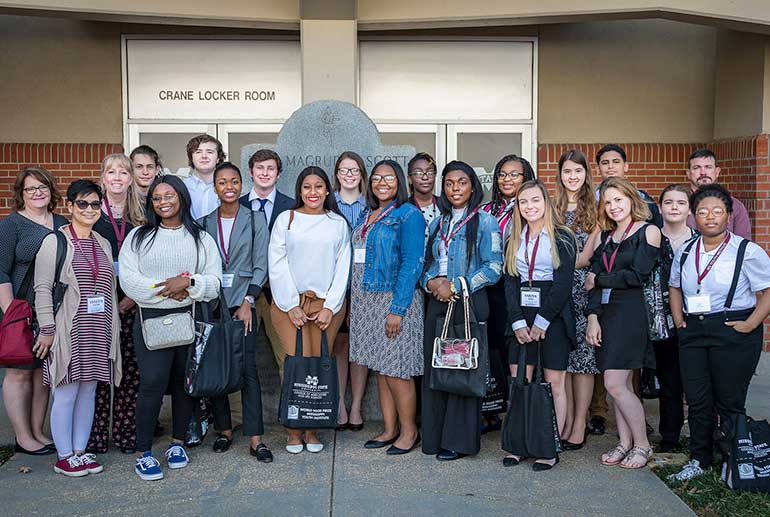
x,y
469,381
310,392
215,361
530,429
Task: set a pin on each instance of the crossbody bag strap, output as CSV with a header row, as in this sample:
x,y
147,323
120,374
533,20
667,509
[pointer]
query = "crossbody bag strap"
x,y
466,308
291,219
684,256
736,273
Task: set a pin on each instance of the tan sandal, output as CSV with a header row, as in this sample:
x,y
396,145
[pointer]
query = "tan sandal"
x,y
637,451
618,451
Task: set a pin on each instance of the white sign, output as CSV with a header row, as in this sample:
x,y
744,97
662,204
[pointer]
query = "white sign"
x,y
181,79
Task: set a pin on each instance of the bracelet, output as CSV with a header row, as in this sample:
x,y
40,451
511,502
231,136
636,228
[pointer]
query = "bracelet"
x,y
452,287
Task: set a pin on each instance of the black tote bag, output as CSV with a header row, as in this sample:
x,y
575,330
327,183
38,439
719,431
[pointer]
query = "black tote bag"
x,y
745,444
215,361
310,393
530,429
466,383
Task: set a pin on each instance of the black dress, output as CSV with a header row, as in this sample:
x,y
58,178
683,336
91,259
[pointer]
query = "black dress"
x,y
624,319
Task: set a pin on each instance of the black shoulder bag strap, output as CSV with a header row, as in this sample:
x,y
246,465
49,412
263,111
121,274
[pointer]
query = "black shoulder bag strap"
x,y
736,273
61,253
683,258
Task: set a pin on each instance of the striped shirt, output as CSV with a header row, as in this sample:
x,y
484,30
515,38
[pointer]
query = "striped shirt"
x,y
351,211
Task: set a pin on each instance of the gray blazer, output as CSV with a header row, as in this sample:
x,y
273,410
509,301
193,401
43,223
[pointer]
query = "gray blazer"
x,y
247,250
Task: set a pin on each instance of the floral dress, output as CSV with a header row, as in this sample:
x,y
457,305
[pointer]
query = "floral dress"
x,y
582,359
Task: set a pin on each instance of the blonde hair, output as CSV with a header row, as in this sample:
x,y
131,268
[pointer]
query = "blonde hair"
x,y
639,209
585,211
133,212
553,227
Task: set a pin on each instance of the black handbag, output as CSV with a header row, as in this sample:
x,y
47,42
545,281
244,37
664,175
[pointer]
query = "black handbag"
x,y
310,393
468,382
215,361
745,445
530,429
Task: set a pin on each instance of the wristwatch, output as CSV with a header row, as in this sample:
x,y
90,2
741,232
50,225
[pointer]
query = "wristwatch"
x,y
249,298
192,282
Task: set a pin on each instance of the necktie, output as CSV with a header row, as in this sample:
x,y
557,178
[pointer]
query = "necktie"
x,y
262,203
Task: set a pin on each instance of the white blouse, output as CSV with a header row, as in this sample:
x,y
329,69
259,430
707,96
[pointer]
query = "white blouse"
x,y
754,274
543,270
314,255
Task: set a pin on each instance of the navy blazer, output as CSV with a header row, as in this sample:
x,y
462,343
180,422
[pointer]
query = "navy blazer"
x,y
282,203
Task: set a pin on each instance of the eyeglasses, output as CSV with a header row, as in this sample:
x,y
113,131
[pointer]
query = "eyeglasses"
x,y
83,205
43,189
168,198
390,178
716,212
428,173
512,175
349,172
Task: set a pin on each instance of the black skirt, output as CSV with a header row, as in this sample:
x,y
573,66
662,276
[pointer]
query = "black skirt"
x,y
624,331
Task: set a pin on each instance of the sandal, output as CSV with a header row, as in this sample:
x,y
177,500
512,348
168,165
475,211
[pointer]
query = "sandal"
x,y
637,451
618,451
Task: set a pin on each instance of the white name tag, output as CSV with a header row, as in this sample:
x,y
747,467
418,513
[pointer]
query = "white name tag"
x,y
95,304
606,295
116,267
698,303
359,255
227,279
530,297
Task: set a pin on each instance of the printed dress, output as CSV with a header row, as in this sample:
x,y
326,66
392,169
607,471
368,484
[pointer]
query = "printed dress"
x,y
583,358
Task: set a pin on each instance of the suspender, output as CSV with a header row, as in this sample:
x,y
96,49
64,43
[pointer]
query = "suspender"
x,y
736,273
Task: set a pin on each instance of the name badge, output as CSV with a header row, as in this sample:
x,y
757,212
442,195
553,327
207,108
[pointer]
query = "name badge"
x,y
530,297
116,267
95,304
606,295
227,279
359,255
698,303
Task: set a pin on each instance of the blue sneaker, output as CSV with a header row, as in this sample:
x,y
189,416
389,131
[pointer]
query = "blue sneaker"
x,y
148,468
176,456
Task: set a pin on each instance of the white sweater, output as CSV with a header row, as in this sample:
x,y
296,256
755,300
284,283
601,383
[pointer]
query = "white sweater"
x,y
314,255
171,253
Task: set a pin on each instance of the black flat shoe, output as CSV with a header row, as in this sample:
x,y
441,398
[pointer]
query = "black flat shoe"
x,y
446,455
569,446
377,444
222,443
128,450
355,427
541,467
262,453
51,447
42,451
510,461
395,451
596,425
342,427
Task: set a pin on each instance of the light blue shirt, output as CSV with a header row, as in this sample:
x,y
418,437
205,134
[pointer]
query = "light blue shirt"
x,y
202,195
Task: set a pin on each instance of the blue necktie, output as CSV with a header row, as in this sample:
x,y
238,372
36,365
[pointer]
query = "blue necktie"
x,y
262,203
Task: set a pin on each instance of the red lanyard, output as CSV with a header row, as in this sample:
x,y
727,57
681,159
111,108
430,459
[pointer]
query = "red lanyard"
x,y
379,218
609,266
120,233
93,267
456,229
222,238
711,263
531,265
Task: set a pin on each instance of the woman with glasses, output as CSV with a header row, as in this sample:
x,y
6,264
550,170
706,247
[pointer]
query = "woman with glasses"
x,y
510,173
349,192
34,198
714,286
167,266
422,183
81,338
386,320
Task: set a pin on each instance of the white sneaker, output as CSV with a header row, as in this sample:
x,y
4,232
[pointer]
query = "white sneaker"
x,y
314,447
691,469
296,449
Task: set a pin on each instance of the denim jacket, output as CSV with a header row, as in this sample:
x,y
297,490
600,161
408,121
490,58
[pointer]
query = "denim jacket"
x,y
394,255
486,264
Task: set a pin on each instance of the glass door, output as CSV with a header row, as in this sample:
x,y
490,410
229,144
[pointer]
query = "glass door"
x,y
170,141
482,145
239,142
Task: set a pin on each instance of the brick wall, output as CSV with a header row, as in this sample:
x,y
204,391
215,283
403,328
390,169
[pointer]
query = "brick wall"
x,y
67,162
745,164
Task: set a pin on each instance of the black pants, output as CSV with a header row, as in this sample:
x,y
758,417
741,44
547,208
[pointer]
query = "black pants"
x,y
671,397
449,421
159,369
717,363
251,393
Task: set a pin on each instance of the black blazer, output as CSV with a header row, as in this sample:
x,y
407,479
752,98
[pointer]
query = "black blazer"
x,y
282,203
557,300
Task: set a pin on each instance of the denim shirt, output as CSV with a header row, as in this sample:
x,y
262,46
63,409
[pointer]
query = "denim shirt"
x,y
394,255
486,264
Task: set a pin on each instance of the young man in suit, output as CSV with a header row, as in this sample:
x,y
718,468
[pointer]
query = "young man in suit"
x,y
265,167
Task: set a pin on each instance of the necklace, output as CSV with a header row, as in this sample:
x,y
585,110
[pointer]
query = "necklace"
x,y
172,227
42,221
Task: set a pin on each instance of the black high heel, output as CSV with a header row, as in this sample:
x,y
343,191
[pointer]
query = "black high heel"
x,y
569,446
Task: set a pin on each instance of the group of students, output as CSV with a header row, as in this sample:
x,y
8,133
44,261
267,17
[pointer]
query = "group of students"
x,y
370,260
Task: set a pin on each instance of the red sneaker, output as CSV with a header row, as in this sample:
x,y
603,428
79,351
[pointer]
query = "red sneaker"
x,y
89,462
71,467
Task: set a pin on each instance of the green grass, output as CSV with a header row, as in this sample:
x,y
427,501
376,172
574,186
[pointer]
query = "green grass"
x,y
5,454
708,496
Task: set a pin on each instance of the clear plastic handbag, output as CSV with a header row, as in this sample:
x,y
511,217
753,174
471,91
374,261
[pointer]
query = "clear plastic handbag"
x,y
457,354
